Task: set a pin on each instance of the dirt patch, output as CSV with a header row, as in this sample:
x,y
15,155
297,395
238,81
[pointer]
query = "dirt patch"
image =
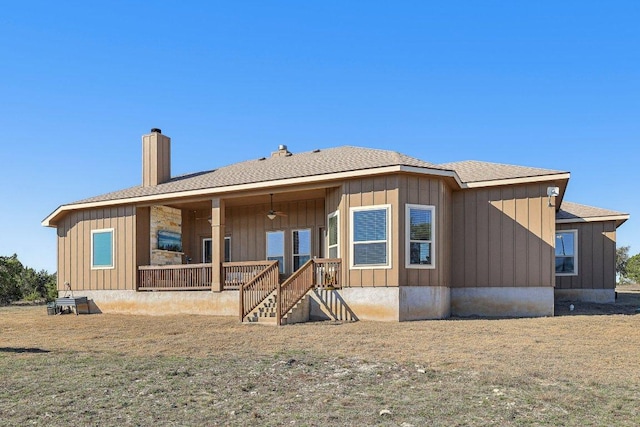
x,y
576,369
627,302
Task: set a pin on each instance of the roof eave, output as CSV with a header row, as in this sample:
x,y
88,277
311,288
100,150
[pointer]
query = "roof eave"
x,y
619,219
51,220
521,180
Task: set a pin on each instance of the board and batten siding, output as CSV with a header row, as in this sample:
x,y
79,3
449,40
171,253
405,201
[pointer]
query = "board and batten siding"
x,y
503,237
247,226
380,190
421,190
596,256
74,249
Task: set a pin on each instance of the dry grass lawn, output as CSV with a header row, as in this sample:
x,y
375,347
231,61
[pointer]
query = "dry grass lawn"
x,y
577,369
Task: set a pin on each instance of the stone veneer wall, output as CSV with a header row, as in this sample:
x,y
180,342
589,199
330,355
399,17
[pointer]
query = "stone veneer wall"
x,y
164,218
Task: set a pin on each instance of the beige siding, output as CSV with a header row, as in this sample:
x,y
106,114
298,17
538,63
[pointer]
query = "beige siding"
x,y
143,241
434,192
247,226
596,256
156,159
195,228
502,236
74,249
369,192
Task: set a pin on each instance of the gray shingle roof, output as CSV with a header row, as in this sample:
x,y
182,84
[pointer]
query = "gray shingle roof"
x,y
570,210
477,171
313,163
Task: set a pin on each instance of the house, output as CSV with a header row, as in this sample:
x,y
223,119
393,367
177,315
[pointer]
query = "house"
x,y
339,233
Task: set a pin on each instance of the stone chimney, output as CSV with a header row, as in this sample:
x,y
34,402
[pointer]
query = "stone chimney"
x,y
282,152
156,158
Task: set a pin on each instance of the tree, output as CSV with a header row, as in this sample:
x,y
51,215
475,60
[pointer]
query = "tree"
x,y
622,257
10,279
633,268
20,282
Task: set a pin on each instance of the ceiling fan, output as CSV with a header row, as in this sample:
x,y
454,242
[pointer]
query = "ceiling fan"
x,y
272,214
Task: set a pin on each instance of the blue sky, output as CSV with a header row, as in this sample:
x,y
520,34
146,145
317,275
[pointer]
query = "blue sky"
x,y
548,84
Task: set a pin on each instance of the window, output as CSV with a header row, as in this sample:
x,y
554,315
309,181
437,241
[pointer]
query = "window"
x,y
102,249
227,249
420,236
567,253
275,248
333,241
370,244
301,247
206,250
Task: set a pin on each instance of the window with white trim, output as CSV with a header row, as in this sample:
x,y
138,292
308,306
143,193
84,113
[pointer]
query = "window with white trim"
x,y
370,231
301,247
420,232
275,248
102,249
567,253
333,236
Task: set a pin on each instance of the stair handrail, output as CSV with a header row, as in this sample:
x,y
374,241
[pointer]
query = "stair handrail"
x,y
258,289
288,294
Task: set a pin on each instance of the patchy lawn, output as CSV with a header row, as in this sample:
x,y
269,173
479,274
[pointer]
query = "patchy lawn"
x,y
577,369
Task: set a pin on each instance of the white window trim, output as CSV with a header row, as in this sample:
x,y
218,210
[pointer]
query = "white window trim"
x,y
293,254
575,253
352,210
284,249
113,249
335,214
407,255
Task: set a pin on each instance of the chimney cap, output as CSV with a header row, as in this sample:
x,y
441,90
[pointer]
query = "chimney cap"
x,y
282,147
156,130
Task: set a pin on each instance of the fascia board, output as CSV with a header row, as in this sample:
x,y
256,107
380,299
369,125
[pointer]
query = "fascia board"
x,y
49,221
514,181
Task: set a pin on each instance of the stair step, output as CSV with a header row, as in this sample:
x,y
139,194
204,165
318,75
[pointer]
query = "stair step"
x,y
266,312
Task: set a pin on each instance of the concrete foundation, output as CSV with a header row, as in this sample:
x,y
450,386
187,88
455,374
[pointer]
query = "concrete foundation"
x,y
424,302
162,303
300,312
391,304
381,304
586,295
502,302
325,304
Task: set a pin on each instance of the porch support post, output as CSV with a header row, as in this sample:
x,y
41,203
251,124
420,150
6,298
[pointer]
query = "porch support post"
x,y
217,243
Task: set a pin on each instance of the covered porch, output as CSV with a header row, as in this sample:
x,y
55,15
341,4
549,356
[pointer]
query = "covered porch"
x,y
255,281
253,243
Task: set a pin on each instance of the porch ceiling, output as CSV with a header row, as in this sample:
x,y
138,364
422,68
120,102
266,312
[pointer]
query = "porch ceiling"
x,y
250,199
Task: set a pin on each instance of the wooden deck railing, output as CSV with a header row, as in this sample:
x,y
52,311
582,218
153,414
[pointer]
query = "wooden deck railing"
x,y
293,289
258,288
328,272
314,273
184,277
237,274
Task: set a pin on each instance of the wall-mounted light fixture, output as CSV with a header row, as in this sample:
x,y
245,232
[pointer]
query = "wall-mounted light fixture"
x,y
552,192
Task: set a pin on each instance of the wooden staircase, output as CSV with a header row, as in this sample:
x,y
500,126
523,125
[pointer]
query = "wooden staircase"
x,y
264,299
267,311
